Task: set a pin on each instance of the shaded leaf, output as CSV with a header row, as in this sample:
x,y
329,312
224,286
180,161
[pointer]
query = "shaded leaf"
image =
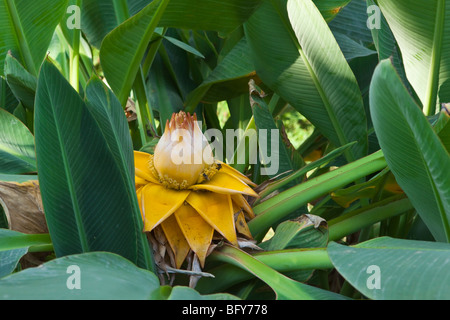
x,y
406,269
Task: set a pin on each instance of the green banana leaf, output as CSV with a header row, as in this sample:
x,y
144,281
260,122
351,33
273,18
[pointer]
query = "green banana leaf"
x,y
93,276
108,113
21,82
133,36
130,39
28,29
228,80
395,269
14,245
422,31
17,154
352,22
296,55
413,151
8,101
86,200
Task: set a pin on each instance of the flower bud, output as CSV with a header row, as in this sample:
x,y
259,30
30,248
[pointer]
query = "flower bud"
x,y
183,152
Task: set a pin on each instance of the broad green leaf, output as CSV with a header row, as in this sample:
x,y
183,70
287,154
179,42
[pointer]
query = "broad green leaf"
x,y
21,82
352,22
385,42
137,32
284,287
305,232
296,55
279,160
14,245
8,101
422,31
331,8
28,29
442,126
102,276
223,16
108,113
228,80
98,18
350,48
130,39
165,95
93,276
16,146
413,151
395,269
85,198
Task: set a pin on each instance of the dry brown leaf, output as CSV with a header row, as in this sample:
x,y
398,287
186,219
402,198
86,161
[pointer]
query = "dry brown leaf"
x,y
23,207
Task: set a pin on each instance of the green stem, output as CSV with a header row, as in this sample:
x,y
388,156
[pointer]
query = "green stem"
x,y
75,57
143,110
241,148
279,206
365,217
121,10
278,184
281,261
347,289
151,53
41,248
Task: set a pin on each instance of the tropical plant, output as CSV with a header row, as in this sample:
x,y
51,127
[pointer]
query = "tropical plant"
x,y
92,92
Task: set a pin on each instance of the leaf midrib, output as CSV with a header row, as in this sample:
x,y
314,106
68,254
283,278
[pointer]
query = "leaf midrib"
x,y
25,52
123,95
327,104
437,197
70,180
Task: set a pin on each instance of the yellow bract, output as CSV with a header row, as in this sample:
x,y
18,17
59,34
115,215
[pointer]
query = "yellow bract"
x,y
189,217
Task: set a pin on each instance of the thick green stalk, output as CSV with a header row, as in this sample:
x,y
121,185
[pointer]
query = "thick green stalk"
x,y
41,248
296,259
284,287
282,261
366,216
279,206
121,10
143,110
278,184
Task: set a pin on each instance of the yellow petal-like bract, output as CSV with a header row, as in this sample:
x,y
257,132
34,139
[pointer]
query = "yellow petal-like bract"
x,y
189,194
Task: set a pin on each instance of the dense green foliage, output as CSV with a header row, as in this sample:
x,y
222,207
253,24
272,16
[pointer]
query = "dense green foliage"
x,y
359,91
